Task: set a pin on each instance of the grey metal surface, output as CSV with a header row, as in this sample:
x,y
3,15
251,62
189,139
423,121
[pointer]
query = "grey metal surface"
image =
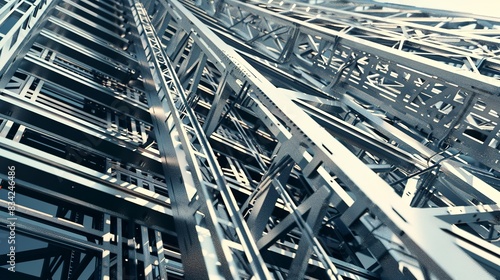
x,y
255,140
430,78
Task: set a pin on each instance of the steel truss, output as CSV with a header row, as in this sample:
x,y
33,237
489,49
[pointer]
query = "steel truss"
x,y
91,196
441,82
333,150
298,124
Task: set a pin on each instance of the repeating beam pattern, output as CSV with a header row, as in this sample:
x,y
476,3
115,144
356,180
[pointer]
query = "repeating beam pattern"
x,y
435,83
258,140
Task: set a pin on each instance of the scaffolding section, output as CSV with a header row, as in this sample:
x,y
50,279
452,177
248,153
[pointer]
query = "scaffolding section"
x,y
248,140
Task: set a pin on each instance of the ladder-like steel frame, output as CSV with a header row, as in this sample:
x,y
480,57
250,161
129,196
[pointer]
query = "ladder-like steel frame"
x,y
230,139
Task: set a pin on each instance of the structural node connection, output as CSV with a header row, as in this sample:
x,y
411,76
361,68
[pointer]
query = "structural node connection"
x,y
256,139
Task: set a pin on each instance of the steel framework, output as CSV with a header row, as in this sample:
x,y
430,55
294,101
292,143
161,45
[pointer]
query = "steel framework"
x,y
227,139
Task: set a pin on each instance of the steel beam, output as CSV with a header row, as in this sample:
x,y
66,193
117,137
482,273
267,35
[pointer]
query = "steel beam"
x,y
299,124
347,140
423,92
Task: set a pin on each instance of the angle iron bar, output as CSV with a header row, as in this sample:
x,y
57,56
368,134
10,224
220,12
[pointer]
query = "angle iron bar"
x,y
78,174
53,221
275,168
423,245
88,23
106,246
366,141
307,232
148,257
89,126
158,244
83,135
94,39
250,146
112,8
452,168
119,251
73,49
98,13
161,61
78,202
42,69
38,232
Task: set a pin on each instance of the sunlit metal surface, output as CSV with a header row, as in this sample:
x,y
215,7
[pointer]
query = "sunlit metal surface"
x,y
248,139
